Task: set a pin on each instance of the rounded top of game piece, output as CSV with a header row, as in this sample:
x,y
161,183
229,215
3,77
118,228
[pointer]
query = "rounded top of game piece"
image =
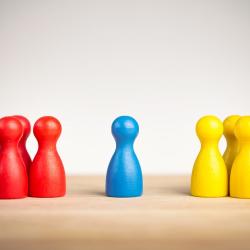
x,y
10,129
47,127
209,128
25,123
242,128
229,125
125,128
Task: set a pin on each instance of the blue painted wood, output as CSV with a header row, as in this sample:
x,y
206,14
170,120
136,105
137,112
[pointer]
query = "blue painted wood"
x,y
124,175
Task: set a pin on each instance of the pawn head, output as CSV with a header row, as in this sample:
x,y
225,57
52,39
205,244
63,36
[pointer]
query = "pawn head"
x,y
242,128
10,129
209,128
229,125
125,128
47,127
25,124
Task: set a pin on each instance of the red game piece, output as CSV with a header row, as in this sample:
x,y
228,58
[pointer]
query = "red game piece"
x,y
22,143
13,175
47,176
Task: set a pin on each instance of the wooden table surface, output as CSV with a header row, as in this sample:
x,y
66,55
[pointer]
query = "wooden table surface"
x,y
165,217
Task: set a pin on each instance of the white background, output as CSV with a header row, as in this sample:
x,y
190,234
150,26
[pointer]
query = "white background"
x,y
166,63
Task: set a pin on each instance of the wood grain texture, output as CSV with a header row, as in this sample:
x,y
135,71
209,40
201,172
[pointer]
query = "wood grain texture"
x,y
166,217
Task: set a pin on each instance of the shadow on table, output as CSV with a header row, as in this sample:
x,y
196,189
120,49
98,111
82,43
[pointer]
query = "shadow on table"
x,y
180,191
88,192
170,191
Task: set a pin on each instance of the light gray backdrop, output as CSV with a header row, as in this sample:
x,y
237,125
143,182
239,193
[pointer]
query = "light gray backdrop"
x,y
86,62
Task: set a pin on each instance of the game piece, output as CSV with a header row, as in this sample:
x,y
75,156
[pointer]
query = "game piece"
x,y
22,143
13,175
240,172
47,176
124,176
209,176
232,143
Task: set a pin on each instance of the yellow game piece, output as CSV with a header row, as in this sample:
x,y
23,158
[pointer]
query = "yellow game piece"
x,y
209,176
232,148
240,172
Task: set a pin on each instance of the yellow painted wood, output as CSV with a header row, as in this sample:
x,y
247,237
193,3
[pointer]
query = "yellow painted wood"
x,y
165,217
232,148
209,176
240,173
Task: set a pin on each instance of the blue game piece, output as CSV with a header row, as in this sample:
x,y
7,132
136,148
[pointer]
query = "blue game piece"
x,y
124,176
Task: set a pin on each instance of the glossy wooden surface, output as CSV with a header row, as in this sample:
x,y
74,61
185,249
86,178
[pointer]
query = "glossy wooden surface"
x,y
166,217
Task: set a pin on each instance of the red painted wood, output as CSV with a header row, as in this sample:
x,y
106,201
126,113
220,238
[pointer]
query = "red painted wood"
x,y
22,143
13,175
47,176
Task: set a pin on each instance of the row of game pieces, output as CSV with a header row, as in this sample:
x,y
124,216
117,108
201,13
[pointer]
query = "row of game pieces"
x,y
215,175
212,176
44,177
